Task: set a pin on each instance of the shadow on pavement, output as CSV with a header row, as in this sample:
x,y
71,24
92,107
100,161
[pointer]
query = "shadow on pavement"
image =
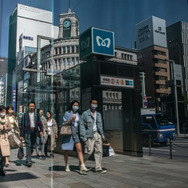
x,y
17,177
73,168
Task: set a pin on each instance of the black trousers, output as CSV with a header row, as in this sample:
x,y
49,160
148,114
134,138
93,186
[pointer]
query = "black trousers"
x,y
48,143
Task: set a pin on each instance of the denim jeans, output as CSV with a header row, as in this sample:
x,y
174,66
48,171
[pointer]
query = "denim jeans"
x,y
30,140
38,143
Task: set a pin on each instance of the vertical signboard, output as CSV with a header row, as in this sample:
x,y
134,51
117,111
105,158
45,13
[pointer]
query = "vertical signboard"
x,y
14,96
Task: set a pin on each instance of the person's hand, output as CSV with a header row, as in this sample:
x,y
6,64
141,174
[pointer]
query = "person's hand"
x,y
41,134
56,136
21,138
85,124
6,128
73,117
47,130
103,138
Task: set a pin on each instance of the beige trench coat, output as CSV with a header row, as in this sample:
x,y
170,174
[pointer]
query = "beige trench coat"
x,y
14,134
4,142
54,131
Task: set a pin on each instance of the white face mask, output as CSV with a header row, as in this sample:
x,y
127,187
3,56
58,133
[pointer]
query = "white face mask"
x,y
75,108
2,114
93,106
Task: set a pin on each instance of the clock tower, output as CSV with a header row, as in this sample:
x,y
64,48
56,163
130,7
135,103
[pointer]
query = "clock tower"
x,y
68,25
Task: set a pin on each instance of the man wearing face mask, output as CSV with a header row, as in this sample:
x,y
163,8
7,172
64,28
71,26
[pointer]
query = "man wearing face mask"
x,y
31,126
5,126
91,132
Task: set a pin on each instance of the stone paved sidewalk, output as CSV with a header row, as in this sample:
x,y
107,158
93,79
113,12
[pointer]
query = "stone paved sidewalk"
x,y
123,172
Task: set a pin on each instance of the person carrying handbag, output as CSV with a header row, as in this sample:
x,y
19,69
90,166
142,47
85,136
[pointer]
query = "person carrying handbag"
x,y
14,134
72,118
5,126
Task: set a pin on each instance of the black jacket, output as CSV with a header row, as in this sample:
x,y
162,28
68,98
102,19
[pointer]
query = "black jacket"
x,y
25,124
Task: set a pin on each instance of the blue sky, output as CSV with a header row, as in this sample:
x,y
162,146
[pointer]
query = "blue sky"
x,y
119,16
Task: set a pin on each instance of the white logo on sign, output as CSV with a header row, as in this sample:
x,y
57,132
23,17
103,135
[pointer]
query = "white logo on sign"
x,y
105,43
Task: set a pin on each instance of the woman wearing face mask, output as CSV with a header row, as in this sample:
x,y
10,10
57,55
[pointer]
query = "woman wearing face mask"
x,y
72,117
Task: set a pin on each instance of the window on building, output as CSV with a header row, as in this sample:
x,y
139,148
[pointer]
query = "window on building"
x,y
159,86
72,49
47,54
55,64
64,64
77,61
159,69
73,61
158,52
59,63
68,61
59,50
64,50
68,49
77,49
56,51
161,78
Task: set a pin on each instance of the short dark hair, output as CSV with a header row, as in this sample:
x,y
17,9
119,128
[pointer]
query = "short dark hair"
x,y
2,107
93,100
9,107
32,102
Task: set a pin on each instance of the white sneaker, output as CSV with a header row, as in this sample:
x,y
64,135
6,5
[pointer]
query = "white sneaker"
x,y
101,171
83,168
67,169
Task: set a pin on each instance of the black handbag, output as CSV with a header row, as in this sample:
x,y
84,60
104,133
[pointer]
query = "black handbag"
x,y
20,153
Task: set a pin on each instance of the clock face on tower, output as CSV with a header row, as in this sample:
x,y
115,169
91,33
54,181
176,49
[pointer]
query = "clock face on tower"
x,y
66,23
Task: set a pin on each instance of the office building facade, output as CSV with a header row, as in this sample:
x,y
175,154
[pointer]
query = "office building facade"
x,y
153,59
25,23
177,35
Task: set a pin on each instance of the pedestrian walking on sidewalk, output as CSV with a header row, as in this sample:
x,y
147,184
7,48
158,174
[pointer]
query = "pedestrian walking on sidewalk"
x,y
91,132
14,134
41,139
31,126
52,135
5,126
72,118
